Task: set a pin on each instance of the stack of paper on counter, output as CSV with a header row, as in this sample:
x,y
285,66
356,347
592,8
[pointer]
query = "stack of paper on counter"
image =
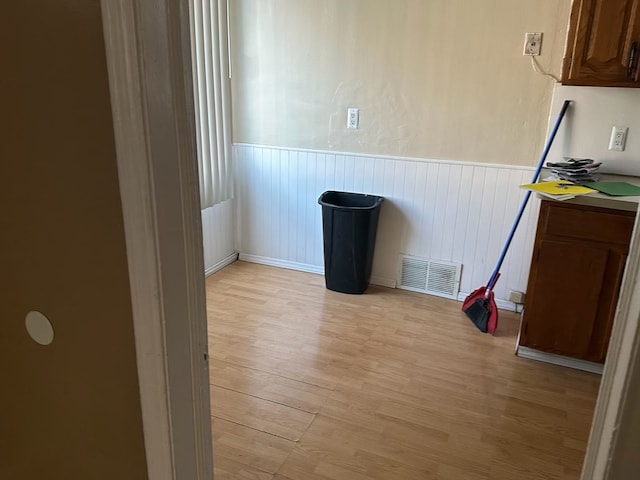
x,y
576,170
558,189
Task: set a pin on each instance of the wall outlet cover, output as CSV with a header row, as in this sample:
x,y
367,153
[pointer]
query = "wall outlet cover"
x,y
353,117
532,43
618,140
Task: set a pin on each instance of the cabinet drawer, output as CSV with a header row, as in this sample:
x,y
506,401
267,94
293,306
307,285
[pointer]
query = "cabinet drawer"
x,y
588,223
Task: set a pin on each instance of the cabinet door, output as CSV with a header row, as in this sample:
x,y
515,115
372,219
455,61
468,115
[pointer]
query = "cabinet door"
x,y
565,287
607,306
601,39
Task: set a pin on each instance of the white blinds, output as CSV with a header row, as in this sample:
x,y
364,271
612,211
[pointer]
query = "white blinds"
x,y
209,50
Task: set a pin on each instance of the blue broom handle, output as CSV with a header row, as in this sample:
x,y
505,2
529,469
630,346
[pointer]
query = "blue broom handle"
x,y
523,205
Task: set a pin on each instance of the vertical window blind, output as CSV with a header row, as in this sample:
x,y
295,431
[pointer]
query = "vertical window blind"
x,y
212,96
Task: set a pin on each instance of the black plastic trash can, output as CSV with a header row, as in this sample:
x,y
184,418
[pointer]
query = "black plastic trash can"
x,y
349,224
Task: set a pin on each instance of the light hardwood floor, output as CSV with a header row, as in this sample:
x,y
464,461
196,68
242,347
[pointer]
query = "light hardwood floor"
x,y
309,384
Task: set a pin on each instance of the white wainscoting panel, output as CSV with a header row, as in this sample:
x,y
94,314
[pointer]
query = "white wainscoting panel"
x,y
442,210
218,232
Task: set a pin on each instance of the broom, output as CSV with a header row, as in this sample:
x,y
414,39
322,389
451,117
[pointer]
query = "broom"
x,y
480,305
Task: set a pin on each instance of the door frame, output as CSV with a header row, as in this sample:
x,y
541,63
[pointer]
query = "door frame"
x,y
148,59
149,66
622,363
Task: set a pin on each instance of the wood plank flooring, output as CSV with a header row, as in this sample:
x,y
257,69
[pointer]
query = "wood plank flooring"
x,y
309,384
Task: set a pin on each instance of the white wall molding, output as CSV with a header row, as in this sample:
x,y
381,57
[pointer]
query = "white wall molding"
x,y
533,354
218,230
385,157
453,211
303,267
276,262
383,282
221,264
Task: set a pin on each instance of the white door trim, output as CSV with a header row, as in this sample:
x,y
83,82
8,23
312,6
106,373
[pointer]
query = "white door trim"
x,y
148,59
622,361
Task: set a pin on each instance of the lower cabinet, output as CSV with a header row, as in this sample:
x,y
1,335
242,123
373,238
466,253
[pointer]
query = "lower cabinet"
x,y
576,270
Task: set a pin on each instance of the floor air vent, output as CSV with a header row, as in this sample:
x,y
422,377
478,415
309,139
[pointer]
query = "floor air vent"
x,y
429,276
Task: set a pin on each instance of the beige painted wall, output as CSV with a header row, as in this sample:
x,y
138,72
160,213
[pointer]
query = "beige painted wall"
x,y
70,410
586,129
441,79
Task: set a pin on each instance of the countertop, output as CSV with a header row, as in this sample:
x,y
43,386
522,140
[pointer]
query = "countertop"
x,y
598,199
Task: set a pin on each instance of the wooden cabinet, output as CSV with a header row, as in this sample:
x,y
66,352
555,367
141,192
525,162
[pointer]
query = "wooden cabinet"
x,y
603,43
576,271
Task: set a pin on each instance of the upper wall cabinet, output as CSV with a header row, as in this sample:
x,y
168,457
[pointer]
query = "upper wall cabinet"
x,y
603,43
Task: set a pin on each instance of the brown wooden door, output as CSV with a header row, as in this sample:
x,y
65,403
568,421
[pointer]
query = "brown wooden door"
x,y
601,39
566,282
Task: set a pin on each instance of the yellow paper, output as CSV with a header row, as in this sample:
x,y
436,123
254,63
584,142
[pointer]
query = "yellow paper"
x,y
558,187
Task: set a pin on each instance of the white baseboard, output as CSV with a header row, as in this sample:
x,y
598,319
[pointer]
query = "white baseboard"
x,y
221,264
276,262
305,267
383,282
318,269
502,304
533,354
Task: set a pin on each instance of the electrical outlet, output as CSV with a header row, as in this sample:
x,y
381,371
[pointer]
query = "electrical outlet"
x,y
532,43
353,117
618,139
516,297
